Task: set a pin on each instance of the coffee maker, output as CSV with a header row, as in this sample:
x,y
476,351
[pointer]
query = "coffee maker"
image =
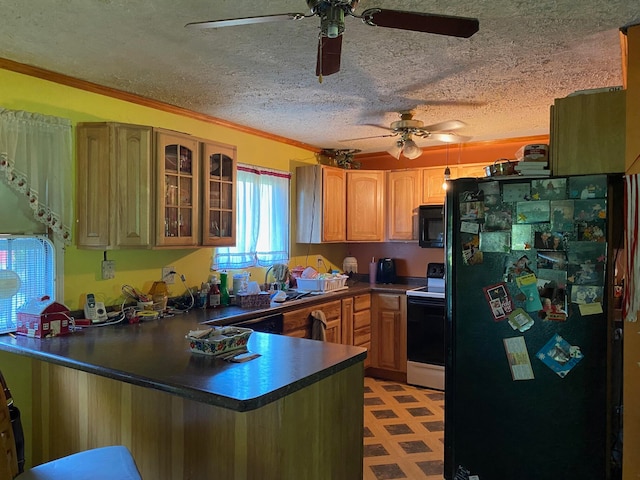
x,y
386,271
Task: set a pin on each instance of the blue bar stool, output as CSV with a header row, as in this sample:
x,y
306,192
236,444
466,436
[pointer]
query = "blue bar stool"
x,y
104,463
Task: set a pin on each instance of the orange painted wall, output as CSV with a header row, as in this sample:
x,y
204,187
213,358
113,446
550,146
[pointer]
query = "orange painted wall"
x,y
471,152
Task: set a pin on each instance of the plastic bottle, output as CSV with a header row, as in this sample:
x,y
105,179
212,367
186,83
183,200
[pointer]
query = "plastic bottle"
x,y
213,298
224,292
203,295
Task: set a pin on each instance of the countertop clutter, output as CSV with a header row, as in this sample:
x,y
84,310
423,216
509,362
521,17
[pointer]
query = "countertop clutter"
x,y
234,314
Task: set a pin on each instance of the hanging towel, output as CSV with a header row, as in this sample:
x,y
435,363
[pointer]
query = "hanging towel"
x,y
631,295
319,326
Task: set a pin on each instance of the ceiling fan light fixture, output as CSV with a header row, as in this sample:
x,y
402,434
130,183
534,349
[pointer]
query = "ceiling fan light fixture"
x,y
396,150
411,150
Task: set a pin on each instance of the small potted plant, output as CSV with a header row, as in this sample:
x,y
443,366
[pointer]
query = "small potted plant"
x,y
338,158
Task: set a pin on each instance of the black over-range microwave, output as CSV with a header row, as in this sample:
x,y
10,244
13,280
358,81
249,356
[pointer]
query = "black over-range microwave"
x,y
431,226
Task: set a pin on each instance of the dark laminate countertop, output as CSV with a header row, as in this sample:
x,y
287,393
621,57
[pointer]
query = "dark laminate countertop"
x,y
155,354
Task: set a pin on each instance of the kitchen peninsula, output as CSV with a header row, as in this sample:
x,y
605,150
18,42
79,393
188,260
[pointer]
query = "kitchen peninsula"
x,y
294,412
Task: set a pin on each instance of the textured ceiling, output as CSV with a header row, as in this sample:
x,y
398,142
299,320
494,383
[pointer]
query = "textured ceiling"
x,y
501,81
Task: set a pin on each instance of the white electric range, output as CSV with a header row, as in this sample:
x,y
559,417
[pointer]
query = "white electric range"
x,y
426,331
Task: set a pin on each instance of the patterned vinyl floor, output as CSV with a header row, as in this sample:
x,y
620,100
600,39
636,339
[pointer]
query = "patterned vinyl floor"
x,y
403,431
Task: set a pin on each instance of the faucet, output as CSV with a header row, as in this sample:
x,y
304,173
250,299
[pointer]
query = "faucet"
x,y
266,287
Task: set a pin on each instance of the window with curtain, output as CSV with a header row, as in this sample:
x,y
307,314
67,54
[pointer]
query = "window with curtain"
x,y
262,230
36,162
27,270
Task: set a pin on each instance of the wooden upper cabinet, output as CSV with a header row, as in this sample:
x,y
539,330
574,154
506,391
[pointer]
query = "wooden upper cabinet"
x,y
333,205
365,205
588,133
177,180
114,186
218,194
473,170
432,180
321,194
404,188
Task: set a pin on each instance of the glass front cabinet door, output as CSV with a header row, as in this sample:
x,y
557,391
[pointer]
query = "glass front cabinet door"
x,y
219,194
177,188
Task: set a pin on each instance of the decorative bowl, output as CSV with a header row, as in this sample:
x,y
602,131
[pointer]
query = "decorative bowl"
x,y
218,340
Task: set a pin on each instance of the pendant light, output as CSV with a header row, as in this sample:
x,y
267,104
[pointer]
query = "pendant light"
x,y
447,172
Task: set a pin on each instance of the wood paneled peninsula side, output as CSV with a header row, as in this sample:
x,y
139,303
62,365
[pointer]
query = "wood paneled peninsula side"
x,y
294,412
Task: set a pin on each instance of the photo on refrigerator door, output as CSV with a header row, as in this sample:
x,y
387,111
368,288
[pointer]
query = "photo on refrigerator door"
x,y
588,186
589,210
586,263
562,212
546,240
516,264
549,189
552,288
518,357
532,212
497,217
495,242
499,300
581,294
559,355
521,237
516,192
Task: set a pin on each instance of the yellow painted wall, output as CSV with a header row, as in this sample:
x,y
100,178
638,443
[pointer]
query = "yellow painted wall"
x,y
82,272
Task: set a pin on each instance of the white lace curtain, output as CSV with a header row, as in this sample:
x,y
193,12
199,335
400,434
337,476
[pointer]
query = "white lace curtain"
x,y
36,160
631,293
262,229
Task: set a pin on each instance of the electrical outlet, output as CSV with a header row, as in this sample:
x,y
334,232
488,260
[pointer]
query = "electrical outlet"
x,y
108,269
319,261
169,275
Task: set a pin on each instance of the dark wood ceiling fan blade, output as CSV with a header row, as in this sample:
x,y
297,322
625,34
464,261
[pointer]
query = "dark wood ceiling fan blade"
x,y
329,51
422,22
231,22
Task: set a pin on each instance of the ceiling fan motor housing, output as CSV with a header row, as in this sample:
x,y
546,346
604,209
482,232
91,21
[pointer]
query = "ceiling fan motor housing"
x,y
406,125
317,6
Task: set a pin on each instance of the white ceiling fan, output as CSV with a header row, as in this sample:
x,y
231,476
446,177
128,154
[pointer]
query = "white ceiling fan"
x,y
407,127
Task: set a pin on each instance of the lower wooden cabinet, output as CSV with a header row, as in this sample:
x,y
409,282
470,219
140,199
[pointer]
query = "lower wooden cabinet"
x,y
298,323
356,323
348,321
389,334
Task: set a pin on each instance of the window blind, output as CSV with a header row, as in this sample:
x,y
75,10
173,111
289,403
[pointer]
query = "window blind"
x,y
27,270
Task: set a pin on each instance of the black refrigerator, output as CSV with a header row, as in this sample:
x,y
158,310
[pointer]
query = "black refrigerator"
x,y
528,382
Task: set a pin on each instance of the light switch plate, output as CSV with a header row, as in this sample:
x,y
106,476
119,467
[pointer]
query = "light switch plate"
x,y
168,277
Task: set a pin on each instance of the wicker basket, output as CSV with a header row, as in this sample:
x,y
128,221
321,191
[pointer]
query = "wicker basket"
x,y
258,300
